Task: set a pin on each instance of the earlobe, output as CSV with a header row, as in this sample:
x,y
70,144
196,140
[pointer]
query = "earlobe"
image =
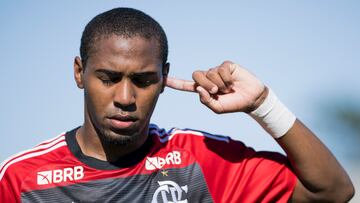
x,y
78,72
165,72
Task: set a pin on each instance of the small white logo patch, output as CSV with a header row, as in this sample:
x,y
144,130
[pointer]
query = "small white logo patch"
x,y
60,175
44,177
171,188
153,163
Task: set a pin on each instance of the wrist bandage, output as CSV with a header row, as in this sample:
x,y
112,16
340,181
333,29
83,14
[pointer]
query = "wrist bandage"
x,y
273,116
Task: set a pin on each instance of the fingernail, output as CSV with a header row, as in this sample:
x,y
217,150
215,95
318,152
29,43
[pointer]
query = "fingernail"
x,y
226,91
213,90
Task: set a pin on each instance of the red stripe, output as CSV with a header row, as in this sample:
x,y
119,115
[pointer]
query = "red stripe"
x,y
30,155
32,150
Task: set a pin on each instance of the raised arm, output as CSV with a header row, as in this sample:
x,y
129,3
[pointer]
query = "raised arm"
x,y
231,88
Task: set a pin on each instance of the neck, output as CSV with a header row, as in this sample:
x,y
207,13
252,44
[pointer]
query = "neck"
x,y
92,145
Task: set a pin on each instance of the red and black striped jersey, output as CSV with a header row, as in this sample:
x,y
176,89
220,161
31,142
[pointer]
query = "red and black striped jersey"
x,y
172,166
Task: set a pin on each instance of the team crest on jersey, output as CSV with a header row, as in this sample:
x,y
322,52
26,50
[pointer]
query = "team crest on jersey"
x,y
153,163
60,175
169,192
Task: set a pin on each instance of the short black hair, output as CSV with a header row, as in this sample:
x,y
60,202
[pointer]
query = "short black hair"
x,y
126,22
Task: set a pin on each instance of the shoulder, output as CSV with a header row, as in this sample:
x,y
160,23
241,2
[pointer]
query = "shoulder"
x,y
185,133
18,165
201,143
177,135
207,145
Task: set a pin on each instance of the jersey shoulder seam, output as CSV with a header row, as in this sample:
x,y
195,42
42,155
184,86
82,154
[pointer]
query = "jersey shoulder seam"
x,y
165,136
40,149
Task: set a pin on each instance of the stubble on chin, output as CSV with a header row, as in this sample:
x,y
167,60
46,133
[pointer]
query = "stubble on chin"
x,y
113,138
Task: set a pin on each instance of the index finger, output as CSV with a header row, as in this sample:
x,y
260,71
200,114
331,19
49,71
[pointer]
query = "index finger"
x,y
179,84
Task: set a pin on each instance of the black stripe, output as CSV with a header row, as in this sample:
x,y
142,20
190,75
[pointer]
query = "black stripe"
x,y
138,188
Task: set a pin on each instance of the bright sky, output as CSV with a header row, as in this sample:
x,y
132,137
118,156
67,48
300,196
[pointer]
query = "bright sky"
x,y
307,51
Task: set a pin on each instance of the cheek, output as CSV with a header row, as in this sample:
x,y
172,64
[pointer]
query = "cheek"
x,y
96,100
148,99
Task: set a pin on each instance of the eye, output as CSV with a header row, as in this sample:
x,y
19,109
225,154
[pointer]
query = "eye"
x,y
143,81
106,82
109,80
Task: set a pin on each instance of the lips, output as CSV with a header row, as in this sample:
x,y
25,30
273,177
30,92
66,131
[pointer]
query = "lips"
x,y
122,121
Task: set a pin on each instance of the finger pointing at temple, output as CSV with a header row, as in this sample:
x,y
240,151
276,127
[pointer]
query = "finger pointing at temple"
x,y
179,84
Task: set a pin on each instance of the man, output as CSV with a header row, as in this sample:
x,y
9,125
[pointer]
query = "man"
x,y
117,156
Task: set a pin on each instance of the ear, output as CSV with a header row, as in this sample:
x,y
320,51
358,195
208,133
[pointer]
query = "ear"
x,y
165,72
78,72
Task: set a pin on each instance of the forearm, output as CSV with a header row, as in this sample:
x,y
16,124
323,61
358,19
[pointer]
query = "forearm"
x,y
315,166
321,176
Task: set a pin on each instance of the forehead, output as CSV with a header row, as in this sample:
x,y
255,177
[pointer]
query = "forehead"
x,y
120,50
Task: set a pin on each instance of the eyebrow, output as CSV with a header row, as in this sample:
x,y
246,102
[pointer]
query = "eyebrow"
x,y
144,74
116,73
108,72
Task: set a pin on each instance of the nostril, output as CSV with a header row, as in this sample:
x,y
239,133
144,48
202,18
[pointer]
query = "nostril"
x,y
126,107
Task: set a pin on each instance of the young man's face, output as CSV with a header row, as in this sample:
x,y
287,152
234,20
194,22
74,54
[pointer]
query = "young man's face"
x,y
122,80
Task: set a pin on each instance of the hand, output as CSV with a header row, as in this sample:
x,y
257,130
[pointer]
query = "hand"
x,y
225,88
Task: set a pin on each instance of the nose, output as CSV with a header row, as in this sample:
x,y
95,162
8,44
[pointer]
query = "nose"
x,y
124,95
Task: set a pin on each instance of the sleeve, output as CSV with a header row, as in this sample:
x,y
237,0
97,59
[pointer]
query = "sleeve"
x,y
7,191
236,173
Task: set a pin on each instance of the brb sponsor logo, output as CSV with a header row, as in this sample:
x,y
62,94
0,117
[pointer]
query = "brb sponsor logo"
x,y
60,175
169,192
153,163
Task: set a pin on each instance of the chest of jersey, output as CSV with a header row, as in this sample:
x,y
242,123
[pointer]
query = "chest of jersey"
x,y
170,175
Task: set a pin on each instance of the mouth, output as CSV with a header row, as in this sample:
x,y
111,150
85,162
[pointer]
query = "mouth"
x,y
122,122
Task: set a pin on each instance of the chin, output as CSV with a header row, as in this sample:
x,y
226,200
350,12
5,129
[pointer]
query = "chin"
x,y
123,139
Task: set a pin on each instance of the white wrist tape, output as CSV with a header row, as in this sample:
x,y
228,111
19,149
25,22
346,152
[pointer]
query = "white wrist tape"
x,y
273,116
